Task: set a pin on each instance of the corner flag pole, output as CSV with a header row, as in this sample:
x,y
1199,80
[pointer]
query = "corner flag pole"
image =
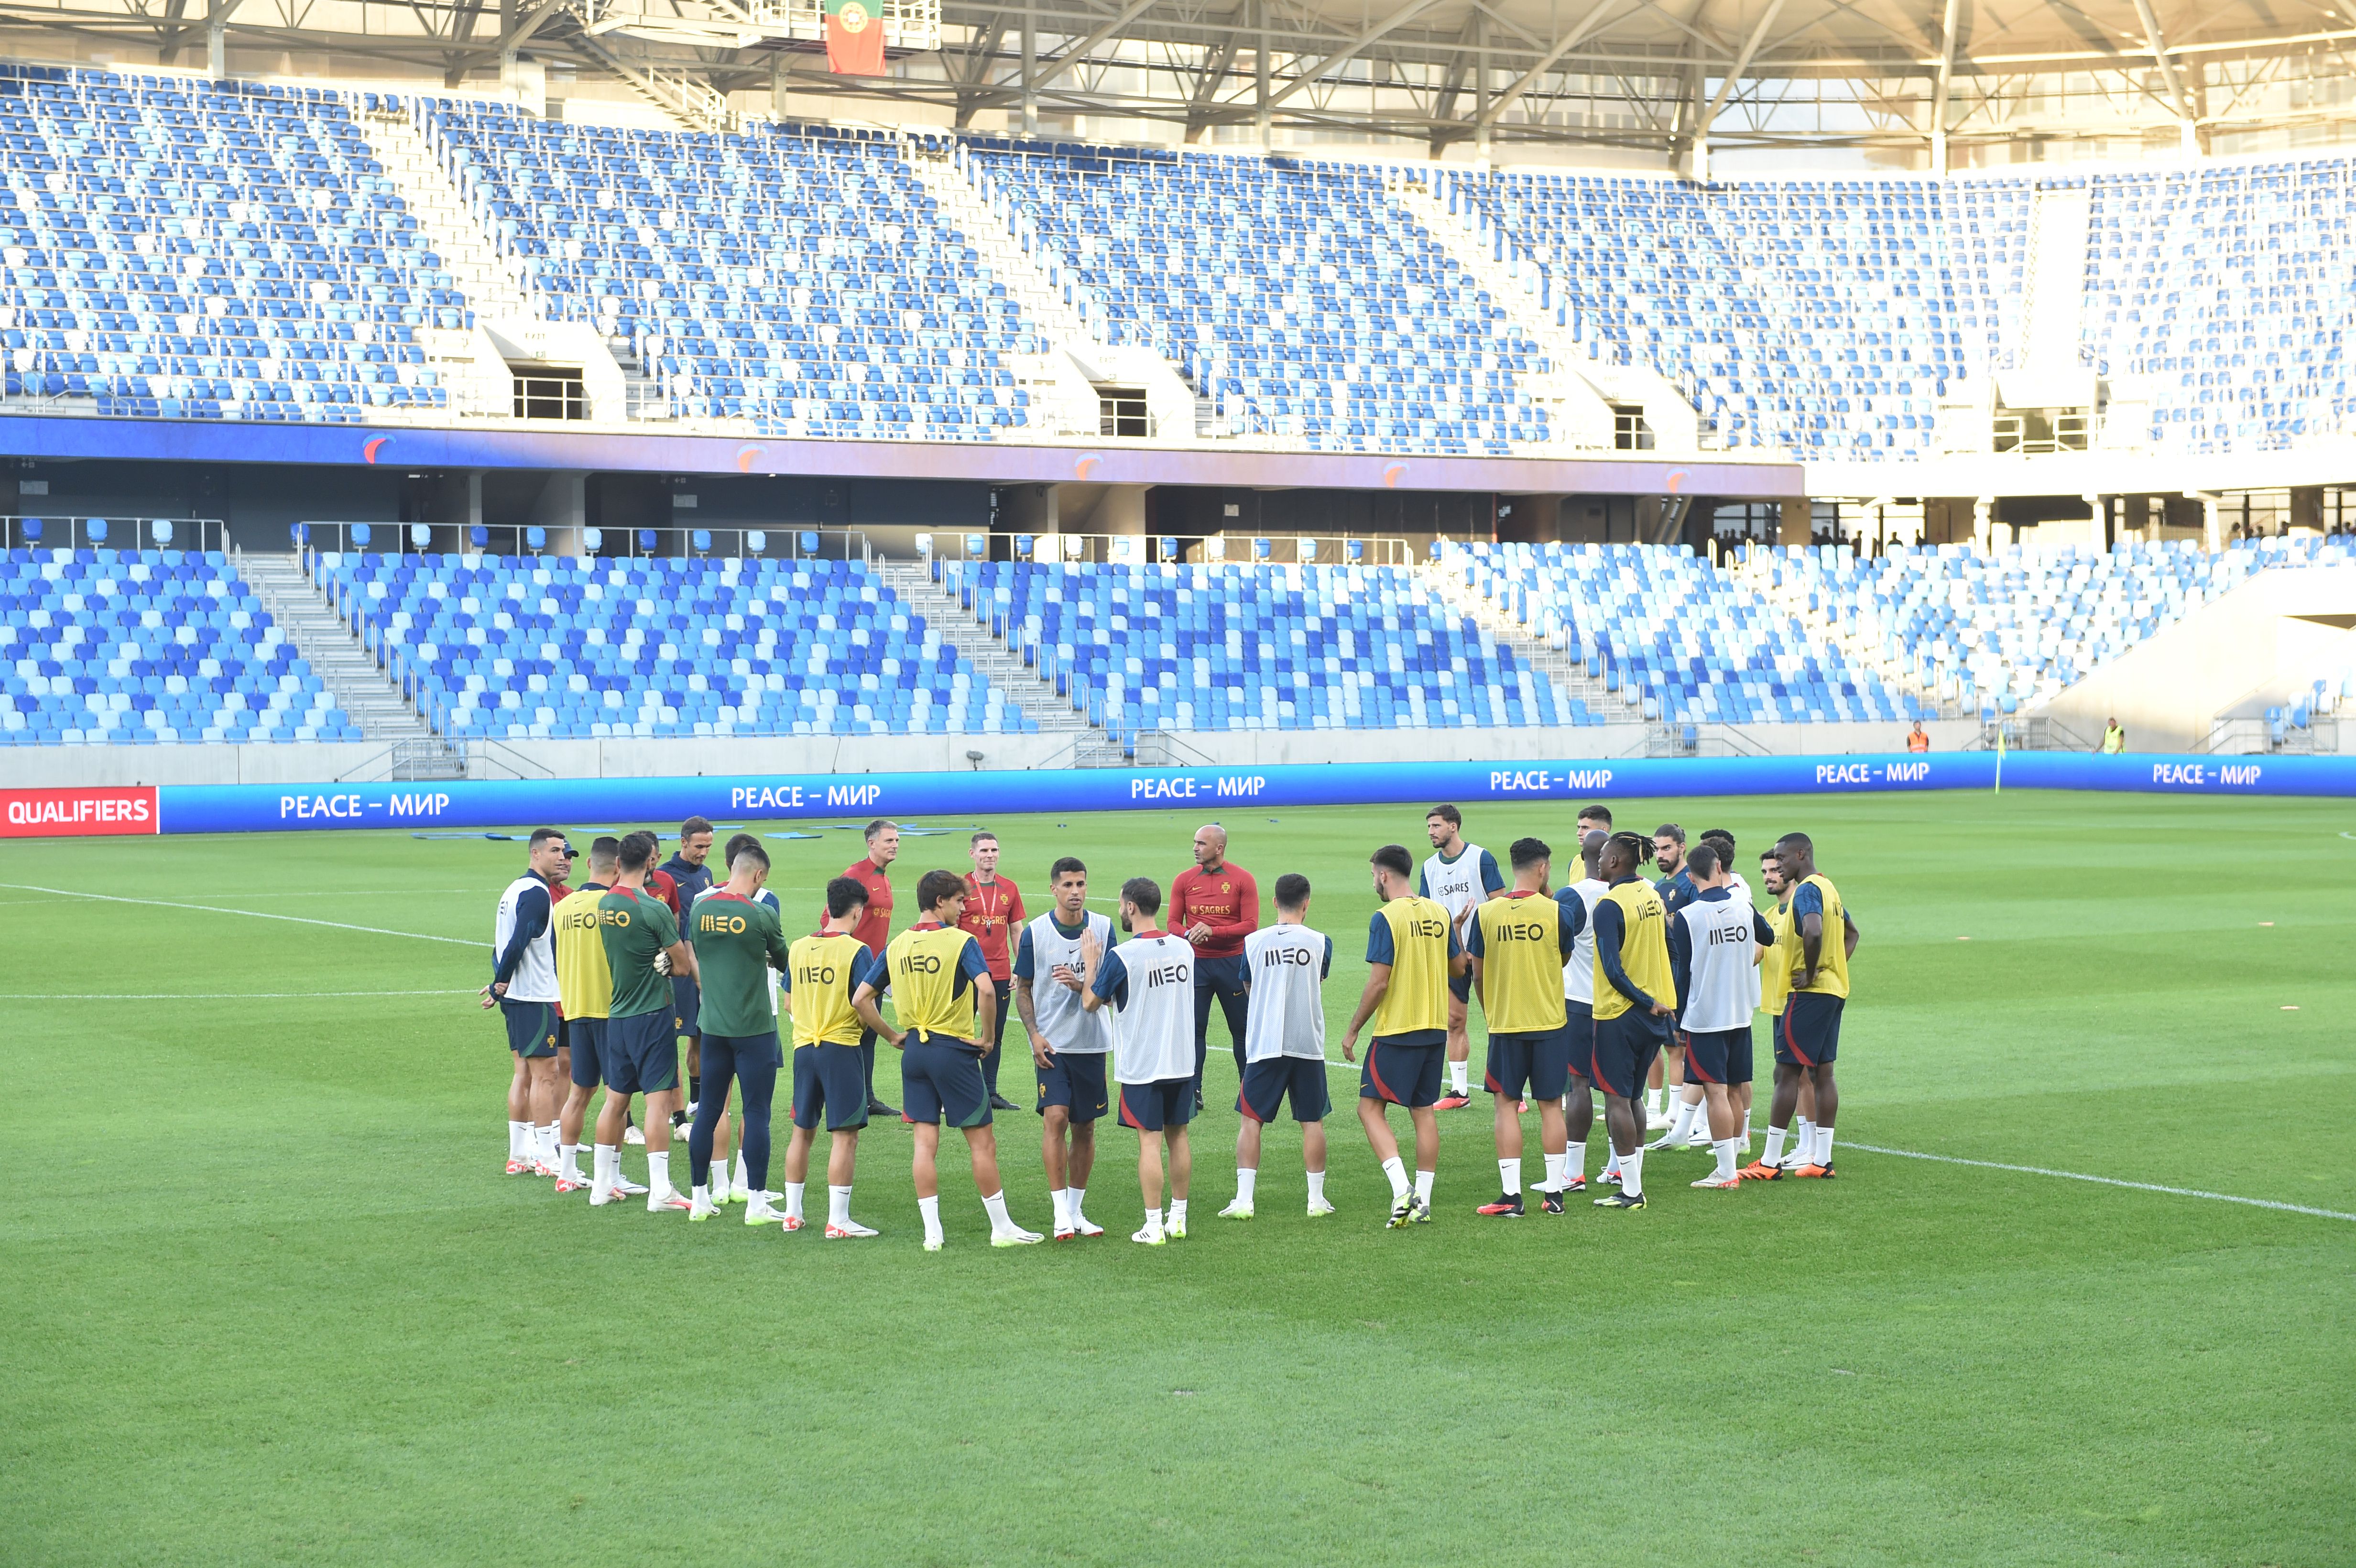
x,y
1999,756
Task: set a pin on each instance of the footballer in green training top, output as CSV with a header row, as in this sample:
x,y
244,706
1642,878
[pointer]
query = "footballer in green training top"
x,y
641,1047
737,943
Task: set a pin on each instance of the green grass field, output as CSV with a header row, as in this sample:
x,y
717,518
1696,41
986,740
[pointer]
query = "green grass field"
x,y
268,1299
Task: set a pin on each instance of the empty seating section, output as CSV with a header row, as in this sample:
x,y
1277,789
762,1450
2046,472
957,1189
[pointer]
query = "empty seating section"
x,y
185,249
2231,291
510,647
1824,317
800,280
1297,297
1284,648
1999,632
137,648
1693,643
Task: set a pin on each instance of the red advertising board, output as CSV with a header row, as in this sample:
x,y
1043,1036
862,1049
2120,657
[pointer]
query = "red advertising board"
x,y
76,813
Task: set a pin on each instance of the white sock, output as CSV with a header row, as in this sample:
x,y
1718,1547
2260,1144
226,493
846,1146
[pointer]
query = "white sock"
x,y
1574,1163
1153,1222
1395,1168
1509,1173
1773,1153
1423,1184
1725,1149
605,1160
1612,1165
552,1138
996,1204
659,1173
794,1190
1555,1179
1804,1143
1682,1126
1824,1147
1632,1173
837,1206
930,1207
1459,1075
701,1197
1316,1185
1246,1179
741,1182
568,1162
718,1173
1657,1102
517,1133
1078,1194
1062,1199
1177,1211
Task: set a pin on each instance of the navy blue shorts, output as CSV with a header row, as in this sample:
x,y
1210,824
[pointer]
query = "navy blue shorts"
x,y
1710,1055
1461,987
830,1078
532,1027
1578,1035
1402,1074
641,1054
586,1038
1267,1085
1539,1062
1623,1055
1075,1081
1808,1034
940,1079
1164,1103
684,1004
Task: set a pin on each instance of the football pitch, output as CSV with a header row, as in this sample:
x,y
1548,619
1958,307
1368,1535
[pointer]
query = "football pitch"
x,y
267,1297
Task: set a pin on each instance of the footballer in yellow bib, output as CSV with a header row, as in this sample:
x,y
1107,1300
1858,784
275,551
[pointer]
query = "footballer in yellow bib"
x,y
1520,941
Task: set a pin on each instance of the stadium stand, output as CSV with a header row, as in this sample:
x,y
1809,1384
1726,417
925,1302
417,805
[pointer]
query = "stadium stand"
x,y
1271,647
2006,630
799,279
522,646
1691,643
180,248
193,250
1297,295
2229,288
137,648
1821,317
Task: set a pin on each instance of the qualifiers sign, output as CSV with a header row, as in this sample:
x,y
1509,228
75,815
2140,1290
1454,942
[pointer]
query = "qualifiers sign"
x,y
76,813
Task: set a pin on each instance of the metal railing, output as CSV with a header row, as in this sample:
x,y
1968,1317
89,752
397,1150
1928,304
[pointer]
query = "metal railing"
x,y
2033,435
1144,549
550,397
114,533
781,542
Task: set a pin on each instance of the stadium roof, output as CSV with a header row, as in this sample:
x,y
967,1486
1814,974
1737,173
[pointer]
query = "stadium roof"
x,y
1659,75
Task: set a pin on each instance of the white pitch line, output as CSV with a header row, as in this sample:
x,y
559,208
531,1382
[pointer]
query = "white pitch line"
x,y
2068,1175
2106,1181
250,913
210,996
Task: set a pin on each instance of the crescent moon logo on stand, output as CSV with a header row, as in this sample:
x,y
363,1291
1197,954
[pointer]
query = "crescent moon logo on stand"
x,y
746,455
374,444
1677,481
1086,464
1392,474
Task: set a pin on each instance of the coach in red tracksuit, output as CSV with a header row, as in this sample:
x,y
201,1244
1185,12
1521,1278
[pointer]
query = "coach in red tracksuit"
x,y
875,929
1215,904
993,912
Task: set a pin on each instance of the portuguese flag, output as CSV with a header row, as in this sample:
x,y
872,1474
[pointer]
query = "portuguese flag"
x,y
854,37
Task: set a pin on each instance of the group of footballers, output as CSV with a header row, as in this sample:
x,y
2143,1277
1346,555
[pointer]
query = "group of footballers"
x,y
1642,988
